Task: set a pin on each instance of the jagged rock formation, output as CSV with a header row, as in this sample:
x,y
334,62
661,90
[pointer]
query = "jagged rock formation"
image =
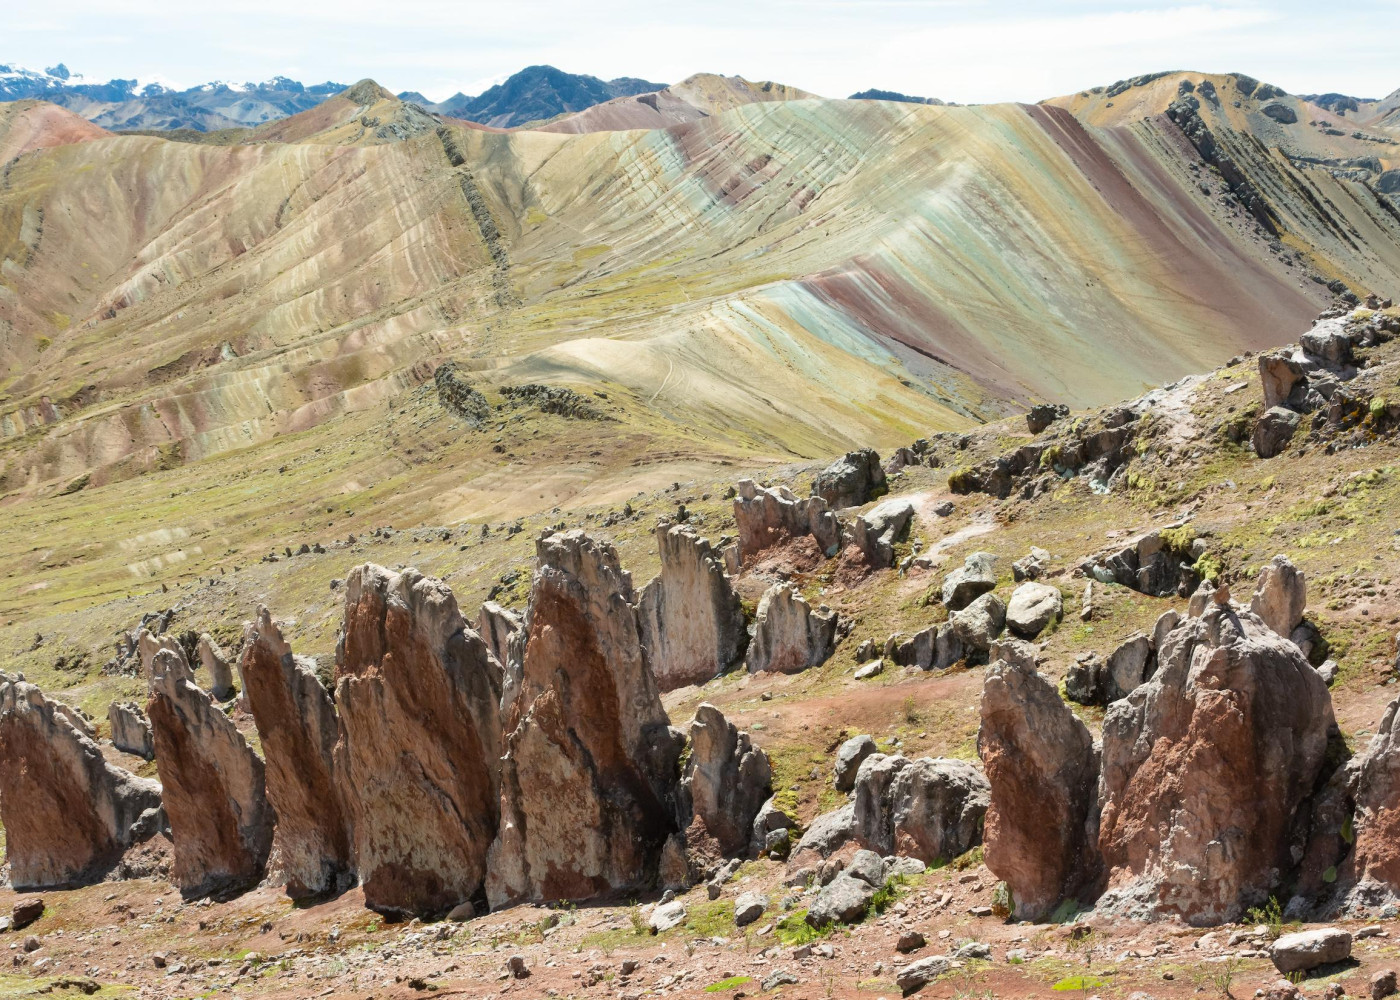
x,y
849,757
875,532
768,517
131,730
1042,768
692,620
148,645
1094,681
727,778
1280,596
68,814
1158,562
789,636
419,700
214,660
496,626
1206,768
297,725
214,786
930,808
851,480
456,395
590,772
934,648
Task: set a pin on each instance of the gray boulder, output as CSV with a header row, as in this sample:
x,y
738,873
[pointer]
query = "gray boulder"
x,y
867,866
749,907
1307,950
1031,567
916,975
938,807
1274,430
829,831
976,576
842,900
770,820
876,531
979,624
851,480
1280,595
1042,415
1033,607
1281,113
848,760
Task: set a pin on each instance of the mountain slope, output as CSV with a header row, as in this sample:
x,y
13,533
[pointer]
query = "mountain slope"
x,y
696,97
538,93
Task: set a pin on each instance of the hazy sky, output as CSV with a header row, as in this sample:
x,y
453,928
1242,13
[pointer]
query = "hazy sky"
x,y
961,50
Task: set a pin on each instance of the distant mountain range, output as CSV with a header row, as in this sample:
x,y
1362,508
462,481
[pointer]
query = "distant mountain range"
x,y
535,94
892,95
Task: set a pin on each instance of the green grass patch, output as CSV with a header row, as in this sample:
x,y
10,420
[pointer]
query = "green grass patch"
x,y
794,931
1070,983
732,982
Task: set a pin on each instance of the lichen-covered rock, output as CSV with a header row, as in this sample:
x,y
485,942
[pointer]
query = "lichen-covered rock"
x,y
214,786
789,636
68,814
419,742
768,517
297,724
214,660
851,480
975,577
590,774
692,620
727,778
131,730
1280,595
1042,768
1206,768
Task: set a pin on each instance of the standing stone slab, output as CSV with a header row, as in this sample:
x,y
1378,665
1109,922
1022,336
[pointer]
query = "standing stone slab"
x,y
68,814
728,779
789,636
590,774
297,725
131,730
419,745
692,620
215,791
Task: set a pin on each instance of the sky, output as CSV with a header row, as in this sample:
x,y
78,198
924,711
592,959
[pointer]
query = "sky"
x,y
959,50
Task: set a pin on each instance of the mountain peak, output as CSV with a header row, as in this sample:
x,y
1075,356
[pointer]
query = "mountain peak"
x,y
367,92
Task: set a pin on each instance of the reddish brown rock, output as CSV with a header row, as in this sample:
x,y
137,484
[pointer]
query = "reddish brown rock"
x,y
418,694
1207,770
214,785
68,815
769,517
789,635
1042,767
589,780
297,725
692,620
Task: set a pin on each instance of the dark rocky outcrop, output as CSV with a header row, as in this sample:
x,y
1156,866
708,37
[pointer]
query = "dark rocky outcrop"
x,y
419,742
68,815
590,771
297,724
851,480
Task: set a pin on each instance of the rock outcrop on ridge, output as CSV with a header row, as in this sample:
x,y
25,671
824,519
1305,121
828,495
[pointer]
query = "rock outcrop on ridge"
x,y
68,814
214,786
419,743
590,769
692,620
297,724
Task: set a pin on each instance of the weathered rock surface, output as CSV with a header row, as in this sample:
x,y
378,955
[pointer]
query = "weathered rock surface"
x,y
916,975
1042,415
1032,566
828,832
930,808
496,625
1148,564
1033,607
1280,596
979,624
849,757
1205,770
934,648
1274,430
877,530
214,786
214,660
419,740
975,577
692,621
590,773
297,724
131,730
768,517
851,480
1042,769
1308,949
842,900
68,814
789,636
728,779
